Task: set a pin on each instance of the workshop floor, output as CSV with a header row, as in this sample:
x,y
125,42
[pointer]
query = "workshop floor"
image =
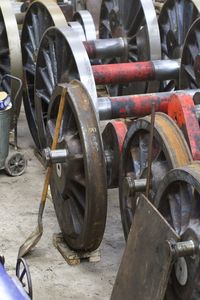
x,y
52,277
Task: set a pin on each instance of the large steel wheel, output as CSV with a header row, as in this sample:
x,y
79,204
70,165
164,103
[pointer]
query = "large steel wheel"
x,y
178,200
61,58
10,51
137,22
170,150
40,16
78,186
190,62
175,20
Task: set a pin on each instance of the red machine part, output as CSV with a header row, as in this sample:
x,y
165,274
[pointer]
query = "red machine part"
x,y
113,138
181,108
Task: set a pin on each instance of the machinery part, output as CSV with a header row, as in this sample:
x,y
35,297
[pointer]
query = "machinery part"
x,y
177,199
190,62
15,164
182,110
55,156
139,105
175,20
137,22
55,66
41,15
10,288
113,138
170,150
5,120
85,19
24,276
81,216
10,54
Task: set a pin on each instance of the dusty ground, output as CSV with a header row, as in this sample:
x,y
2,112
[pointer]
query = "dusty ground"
x,y
52,277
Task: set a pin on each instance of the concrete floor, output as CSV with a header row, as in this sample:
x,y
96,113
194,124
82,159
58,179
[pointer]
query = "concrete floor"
x,y
52,277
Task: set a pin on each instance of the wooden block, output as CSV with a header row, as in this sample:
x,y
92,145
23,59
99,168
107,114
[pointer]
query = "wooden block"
x,y
74,257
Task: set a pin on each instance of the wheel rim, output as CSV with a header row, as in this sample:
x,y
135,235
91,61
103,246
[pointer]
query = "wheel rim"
x,y
10,54
40,16
81,216
16,165
175,20
189,73
140,28
169,151
113,137
178,200
86,20
55,66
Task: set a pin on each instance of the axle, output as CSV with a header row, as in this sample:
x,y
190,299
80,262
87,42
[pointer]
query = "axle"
x,y
136,105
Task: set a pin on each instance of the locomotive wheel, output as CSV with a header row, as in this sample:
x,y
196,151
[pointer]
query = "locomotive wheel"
x,y
24,276
61,58
41,15
170,150
113,137
137,22
190,62
178,201
86,20
175,20
10,51
78,187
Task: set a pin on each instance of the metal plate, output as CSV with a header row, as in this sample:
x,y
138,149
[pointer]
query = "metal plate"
x,y
40,16
10,51
127,19
178,199
170,150
81,216
56,66
146,262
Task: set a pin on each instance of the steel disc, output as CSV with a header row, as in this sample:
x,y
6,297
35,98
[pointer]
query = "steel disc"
x,y
175,19
190,62
178,200
40,16
137,22
10,51
78,187
55,66
170,150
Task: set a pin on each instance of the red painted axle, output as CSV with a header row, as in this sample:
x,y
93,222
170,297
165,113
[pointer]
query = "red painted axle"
x,y
138,71
136,105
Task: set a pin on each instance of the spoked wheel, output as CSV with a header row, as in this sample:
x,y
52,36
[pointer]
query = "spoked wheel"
x,y
78,186
190,62
175,20
137,22
113,137
61,58
15,164
170,150
10,51
40,16
178,200
24,276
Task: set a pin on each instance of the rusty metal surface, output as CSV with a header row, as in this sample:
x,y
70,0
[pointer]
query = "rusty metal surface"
x,y
113,138
178,201
78,186
170,150
181,108
146,263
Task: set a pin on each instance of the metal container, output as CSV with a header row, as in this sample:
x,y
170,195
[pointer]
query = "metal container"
x,y
5,119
